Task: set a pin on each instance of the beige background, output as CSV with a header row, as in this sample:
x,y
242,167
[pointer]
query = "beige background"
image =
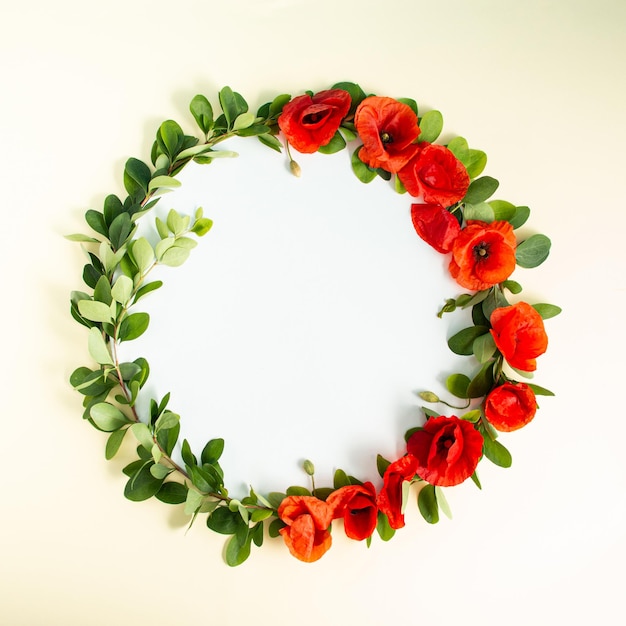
x,y
538,85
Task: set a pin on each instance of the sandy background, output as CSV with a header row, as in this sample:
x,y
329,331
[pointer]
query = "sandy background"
x,y
538,85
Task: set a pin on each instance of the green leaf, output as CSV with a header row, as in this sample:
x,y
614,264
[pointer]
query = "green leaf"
x,y
540,391
484,347
170,138
142,254
533,252
513,286
496,452
174,256
114,442
431,126
443,502
98,348
95,311
107,417
482,382
202,112
457,385
133,326
202,226
476,162
340,479
167,182
271,142
81,238
357,95
122,289
212,451
458,146
136,177
336,144
481,211
172,493
143,435
364,173
502,210
95,219
472,416
237,550
410,102
278,103
481,189
233,105
382,464
142,485
146,289
547,310
385,532
522,213
224,521
120,230
244,120
463,341
427,504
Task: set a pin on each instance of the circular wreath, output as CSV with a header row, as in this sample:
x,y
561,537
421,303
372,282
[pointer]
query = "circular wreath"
x,y
451,211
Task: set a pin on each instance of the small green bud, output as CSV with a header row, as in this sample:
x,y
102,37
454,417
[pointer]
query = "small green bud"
x,y
309,468
295,168
428,396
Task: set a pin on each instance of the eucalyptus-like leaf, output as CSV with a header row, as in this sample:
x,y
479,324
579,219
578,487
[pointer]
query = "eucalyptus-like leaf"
x,y
107,417
168,182
481,211
484,347
463,341
533,251
481,189
143,435
431,126
547,310
442,502
98,348
122,289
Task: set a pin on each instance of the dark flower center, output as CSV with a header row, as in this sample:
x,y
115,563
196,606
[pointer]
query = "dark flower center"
x,y
386,137
445,443
481,251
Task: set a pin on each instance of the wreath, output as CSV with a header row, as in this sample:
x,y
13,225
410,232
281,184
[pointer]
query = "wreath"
x,y
451,211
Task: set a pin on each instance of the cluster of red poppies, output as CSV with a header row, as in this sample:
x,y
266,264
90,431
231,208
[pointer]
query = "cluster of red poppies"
x,y
446,450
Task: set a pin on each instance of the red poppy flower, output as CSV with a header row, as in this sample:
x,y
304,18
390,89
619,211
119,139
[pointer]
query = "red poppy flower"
x,y
435,225
447,450
356,504
435,174
483,254
307,533
519,334
389,499
510,406
309,122
388,129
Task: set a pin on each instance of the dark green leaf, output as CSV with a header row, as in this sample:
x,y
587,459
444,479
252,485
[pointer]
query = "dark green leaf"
x,y
340,479
277,104
540,391
95,219
224,521
482,382
462,342
136,177
274,528
493,301
382,464
427,504
142,485
120,230
202,112
212,451
232,105
147,288
172,493
133,326
187,454
357,95
295,490
410,102
496,452
271,142
513,286
112,208
170,138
